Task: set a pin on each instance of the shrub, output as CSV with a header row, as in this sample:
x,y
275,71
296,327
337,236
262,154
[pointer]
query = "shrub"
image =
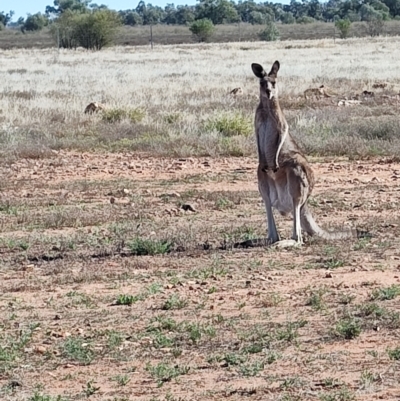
x,y
202,29
344,27
288,18
64,30
270,33
115,115
348,328
231,125
305,20
375,26
141,247
92,30
96,29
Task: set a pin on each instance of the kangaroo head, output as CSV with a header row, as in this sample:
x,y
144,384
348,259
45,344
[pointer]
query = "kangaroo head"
x,y
268,86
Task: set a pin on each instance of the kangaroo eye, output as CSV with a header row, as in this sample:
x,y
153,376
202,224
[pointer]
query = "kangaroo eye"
x,y
273,84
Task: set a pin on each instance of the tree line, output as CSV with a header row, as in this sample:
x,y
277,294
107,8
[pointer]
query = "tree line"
x,y
84,23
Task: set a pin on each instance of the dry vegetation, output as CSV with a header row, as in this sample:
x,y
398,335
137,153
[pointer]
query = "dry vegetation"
x,y
175,100
119,279
178,34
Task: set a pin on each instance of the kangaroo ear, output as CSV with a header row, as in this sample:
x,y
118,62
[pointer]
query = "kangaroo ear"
x,y
258,70
274,69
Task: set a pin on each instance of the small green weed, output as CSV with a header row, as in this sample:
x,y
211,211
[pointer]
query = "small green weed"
x,y
11,347
343,394
76,349
122,380
165,373
90,388
127,299
292,382
230,125
41,397
115,115
348,328
79,298
289,331
251,369
174,302
114,339
385,294
272,299
141,247
316,299
332,263
394,353
232,359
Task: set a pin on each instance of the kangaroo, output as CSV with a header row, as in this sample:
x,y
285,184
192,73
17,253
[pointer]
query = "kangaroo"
x,y
285,178
94,107
317,92
236,92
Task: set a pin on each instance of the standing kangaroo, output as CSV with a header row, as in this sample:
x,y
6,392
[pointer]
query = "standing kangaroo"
x,y
285,179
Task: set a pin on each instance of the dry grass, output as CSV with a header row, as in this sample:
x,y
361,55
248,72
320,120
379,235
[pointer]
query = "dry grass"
x,y
119,276
181,105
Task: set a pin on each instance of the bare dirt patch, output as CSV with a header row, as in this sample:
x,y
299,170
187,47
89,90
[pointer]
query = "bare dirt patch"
x,y
111,290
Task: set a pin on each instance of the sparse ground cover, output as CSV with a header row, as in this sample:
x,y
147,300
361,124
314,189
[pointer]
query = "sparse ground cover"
x,y
118,275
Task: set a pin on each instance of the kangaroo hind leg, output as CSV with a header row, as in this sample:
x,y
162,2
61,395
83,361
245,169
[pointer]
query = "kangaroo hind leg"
x,y
264,189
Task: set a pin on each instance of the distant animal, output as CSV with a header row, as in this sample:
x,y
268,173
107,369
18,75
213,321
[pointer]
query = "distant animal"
x,y
368,94
348,102
285,178
237,91
317,92
94,107
379,85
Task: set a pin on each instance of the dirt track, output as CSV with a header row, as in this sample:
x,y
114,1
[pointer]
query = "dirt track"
x,y
259,323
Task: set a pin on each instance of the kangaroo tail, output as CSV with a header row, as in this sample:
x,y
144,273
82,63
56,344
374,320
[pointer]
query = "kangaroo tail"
x,y
310,226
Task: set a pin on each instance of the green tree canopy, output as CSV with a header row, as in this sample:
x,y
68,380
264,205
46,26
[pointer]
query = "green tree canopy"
x,y
35,22
61,6
202,29
5,18
218,11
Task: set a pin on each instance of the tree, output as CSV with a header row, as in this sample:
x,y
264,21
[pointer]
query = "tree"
x,y
270,33
202,29
60,6
130,17
64,30
258,18
343,25
375,19
150,14
6,18
288,18
218,11
35,22
185,14
96,29
92,30
170,17
394,7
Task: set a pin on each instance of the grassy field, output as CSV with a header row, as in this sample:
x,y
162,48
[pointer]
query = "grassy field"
x,y
175,100
119,278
